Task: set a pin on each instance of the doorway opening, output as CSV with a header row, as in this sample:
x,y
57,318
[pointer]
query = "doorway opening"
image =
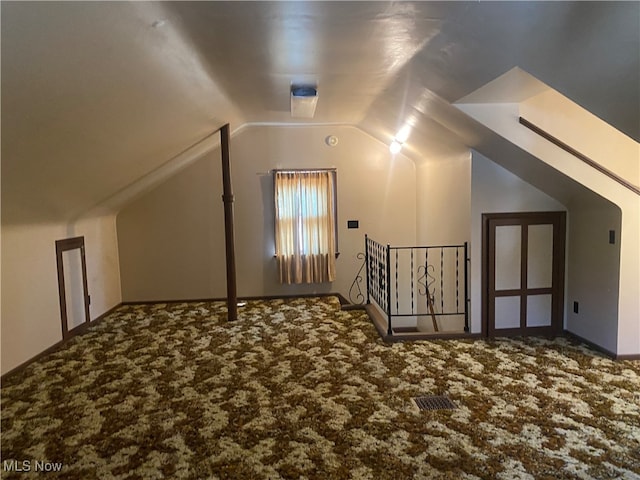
x,y
523,273
72,286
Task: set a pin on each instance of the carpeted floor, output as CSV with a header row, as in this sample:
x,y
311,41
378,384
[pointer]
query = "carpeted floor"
x,y
297,389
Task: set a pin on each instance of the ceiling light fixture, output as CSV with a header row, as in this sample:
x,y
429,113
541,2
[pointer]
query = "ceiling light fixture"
x,y
395,146
401,137
303,101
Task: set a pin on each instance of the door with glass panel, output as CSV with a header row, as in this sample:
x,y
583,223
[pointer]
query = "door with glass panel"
x,y
523,273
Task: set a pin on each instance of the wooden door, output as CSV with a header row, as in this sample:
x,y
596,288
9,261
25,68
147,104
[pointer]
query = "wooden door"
x,y
72,285
523,291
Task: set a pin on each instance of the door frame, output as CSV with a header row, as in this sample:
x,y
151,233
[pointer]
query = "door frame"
x,y
558,220
63,246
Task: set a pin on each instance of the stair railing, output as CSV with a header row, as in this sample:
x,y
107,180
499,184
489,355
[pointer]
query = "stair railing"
x,y
420,281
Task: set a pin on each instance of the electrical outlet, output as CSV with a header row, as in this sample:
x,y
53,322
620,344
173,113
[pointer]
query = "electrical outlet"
x,y
575,307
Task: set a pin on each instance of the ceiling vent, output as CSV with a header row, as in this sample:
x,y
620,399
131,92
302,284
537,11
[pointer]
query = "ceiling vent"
x,y
303,101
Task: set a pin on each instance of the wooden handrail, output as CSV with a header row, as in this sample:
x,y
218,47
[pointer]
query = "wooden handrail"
x,y
577,154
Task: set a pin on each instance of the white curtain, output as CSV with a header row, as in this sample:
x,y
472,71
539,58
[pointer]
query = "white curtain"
x,y
305,226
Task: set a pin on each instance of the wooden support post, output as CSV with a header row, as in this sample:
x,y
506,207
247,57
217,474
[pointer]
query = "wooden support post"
x,y
227,199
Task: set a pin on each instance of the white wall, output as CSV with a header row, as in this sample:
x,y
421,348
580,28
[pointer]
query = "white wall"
x,y
496,190
30,307
171,240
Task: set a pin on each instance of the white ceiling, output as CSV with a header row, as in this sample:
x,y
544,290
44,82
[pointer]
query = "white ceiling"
x,y
96,95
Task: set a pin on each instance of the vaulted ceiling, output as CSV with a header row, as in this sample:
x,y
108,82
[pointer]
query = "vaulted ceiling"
x,y
96,95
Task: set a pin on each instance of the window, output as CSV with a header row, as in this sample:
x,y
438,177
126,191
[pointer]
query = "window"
x,y
306,233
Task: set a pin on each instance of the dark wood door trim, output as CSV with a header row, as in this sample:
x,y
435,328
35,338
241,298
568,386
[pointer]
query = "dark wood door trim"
x,y
524,219
63,246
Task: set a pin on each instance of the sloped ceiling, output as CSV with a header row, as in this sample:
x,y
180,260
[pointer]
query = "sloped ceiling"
x,y
95,95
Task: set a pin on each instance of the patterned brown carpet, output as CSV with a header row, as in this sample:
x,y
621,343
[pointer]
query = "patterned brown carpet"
x,y
297,389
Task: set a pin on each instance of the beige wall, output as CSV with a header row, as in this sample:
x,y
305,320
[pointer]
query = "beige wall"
x,y
30,307
503,119
443,217
171,240
593,272
569,122
621,155
444,200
